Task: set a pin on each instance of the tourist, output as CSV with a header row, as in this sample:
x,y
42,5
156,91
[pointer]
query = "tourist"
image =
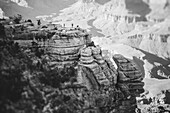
x,y
39,22
78,28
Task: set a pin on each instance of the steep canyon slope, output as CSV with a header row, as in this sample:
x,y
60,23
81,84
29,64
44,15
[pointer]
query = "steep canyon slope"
x,y
133,28
142,35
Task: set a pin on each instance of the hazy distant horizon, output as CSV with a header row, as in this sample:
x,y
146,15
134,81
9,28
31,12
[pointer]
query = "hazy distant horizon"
x,y
47,7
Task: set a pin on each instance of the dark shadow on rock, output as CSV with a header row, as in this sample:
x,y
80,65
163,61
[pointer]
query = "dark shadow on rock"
x,y
140,64
151,58
154,58
138,7
167,93
154,72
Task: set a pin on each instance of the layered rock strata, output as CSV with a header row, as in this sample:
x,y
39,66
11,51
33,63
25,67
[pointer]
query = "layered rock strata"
x,y
72,47
129,81
64,46
95,72
101,71
130,74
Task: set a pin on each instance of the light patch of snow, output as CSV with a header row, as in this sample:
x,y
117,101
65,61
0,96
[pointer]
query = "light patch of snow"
x,y
1,13
22,3
155,86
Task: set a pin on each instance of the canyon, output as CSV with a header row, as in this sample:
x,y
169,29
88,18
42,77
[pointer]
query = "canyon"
x,y
139,30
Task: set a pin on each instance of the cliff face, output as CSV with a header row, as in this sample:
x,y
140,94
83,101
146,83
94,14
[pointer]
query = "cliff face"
x,y
32,8
71,48
115,18
160,9
82,9
97,72
101,70
64,47
153,41
107,17
154,38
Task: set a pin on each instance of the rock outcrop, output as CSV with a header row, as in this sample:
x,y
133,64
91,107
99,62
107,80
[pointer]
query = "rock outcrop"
x,y
129,81
82,9
128,72
93,70
96,72
101,71
160,10
63,48
115,18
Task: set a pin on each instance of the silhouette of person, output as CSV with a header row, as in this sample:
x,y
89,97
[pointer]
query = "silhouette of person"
x,y
39,22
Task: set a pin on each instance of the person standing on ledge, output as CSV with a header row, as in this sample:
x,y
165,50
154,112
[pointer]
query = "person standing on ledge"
x,y
39,22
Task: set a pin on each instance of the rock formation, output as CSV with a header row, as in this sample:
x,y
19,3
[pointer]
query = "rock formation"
x,y
64,46
82,9
102,71
72,47
160,10
150,37
95,72
115,17
128,71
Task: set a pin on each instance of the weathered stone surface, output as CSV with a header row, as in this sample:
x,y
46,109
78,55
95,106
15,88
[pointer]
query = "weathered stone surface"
x,y
63,51
96,50
68,42
86,52
120,59
117,89
73,57
127,69
103,74
129,81
65,46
